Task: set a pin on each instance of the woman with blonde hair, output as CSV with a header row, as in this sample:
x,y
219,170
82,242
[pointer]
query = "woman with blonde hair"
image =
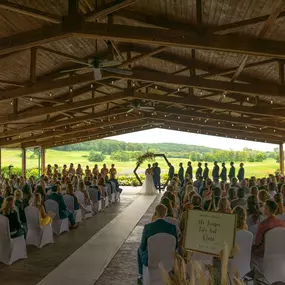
x,y
278,198
82,188
240,218
8,191
263,195
45,219
189,189
224,206
18,198
70,191
9,210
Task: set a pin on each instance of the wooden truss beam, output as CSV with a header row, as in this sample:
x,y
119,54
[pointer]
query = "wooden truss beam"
x,y
89,135
32,38
271,90
263,133
208,104
108,9
145,124
225,43
37,14
243,121
216,85
61,134
42,126
62,108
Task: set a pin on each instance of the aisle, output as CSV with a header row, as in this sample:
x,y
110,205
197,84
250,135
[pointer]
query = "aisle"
x,y
86,265
41,262
123,268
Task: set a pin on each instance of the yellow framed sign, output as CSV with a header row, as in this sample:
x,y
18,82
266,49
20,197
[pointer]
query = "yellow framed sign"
x,y
207,232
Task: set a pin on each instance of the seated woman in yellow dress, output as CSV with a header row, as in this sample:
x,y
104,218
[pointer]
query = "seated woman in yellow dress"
x,y
45,219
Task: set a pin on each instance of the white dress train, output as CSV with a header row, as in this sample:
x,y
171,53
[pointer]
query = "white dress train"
x,y
148,187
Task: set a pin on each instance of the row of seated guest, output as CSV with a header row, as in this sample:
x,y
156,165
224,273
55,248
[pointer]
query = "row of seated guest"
x,y
79,171
257,203
13,201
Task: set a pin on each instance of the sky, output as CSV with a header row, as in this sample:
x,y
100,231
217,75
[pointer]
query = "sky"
x,y
171,136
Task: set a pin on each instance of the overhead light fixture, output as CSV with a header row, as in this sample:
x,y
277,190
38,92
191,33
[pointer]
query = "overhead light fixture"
x,y
247,98
50,94
155,87
201,92
271,102
11,103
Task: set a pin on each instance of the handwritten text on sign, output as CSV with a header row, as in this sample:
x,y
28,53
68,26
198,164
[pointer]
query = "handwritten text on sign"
x,y
208,231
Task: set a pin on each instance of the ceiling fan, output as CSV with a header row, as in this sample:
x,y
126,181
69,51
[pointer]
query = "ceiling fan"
x,y
142,106
98,65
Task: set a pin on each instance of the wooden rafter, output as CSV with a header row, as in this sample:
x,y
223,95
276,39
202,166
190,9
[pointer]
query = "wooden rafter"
x,y
37,14
226,43
108,9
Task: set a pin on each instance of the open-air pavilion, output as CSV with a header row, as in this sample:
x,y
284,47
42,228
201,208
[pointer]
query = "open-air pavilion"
x,y
209,67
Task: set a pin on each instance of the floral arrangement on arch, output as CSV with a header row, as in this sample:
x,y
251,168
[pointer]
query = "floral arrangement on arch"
x,y
147,156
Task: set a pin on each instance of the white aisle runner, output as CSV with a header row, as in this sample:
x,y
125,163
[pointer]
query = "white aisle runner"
x,y
85,265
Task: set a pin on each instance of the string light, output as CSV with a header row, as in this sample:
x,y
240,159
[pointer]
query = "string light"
x,y
247,98
11,103
91,85
112,82
31,99
192,119
155,87
233,125
246,127
271,102
224,94
274,131
219,123
70,89
201,92
50,94
178,118
178,89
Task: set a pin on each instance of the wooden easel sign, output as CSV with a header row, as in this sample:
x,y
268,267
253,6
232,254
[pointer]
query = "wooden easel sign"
x,y
207,232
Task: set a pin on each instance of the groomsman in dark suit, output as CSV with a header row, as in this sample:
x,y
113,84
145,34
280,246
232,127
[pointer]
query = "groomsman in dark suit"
x,y
156,176
156,227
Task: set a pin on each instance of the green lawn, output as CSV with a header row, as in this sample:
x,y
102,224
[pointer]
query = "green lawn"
x,y
9,156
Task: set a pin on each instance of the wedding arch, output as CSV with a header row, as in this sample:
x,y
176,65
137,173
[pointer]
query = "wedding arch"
x,y
149,156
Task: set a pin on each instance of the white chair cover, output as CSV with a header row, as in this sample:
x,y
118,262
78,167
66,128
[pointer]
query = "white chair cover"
x,y
253,230
281,217
69,201
87,210
174,222
274,255
241,260
93,193
11,250
161,249
37,235
59,226
113,196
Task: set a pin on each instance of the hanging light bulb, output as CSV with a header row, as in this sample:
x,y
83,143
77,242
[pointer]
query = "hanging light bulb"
x,y
271,102
11,103
91,85
201,92
247,98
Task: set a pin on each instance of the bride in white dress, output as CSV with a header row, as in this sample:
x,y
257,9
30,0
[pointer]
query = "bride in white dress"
x,y
148,187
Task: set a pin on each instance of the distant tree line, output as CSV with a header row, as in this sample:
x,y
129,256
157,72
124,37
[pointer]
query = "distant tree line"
x,y
122,151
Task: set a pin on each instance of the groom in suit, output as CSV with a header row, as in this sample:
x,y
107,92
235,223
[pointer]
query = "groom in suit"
x,y
156,176
156,227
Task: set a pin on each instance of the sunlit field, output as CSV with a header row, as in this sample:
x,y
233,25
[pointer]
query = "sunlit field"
x,y
9,157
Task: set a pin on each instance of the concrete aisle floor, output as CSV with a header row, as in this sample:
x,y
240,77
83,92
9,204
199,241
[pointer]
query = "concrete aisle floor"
x,y
123,269
41,262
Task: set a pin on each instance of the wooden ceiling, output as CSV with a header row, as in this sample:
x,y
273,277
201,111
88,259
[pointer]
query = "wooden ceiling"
x,y
206,66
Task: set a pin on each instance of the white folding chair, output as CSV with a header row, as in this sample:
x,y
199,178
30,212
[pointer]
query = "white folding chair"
x,y
241,260
93,193
174,222
87,210
69,201
105,202
113,198
11,250
109,192
37,235
58,225
274,255
161,249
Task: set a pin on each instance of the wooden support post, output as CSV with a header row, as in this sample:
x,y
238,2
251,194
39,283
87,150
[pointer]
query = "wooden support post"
x,y
43,160
281,155
24,162
0,161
